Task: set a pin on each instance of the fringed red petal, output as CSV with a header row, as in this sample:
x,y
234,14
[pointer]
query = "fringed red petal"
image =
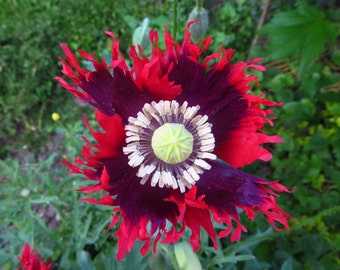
x,y
128,232
194,214
268,207
221,89
150,76
117,57
244,148
243,144
109,145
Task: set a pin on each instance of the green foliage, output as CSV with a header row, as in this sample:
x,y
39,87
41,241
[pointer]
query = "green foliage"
x,y
301,47
303,73
233,24
302,33
31,32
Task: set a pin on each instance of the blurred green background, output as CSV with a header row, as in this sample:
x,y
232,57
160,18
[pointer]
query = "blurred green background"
x,y
300,43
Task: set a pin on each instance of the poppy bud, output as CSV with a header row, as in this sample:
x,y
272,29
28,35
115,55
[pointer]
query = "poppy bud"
x,y
141,35
186,258
200,27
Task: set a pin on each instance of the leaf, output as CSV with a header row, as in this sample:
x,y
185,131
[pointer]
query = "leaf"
x,y
336,57
233,258
84,260
97,231
287,264
46,199
301,33
298,110
317,142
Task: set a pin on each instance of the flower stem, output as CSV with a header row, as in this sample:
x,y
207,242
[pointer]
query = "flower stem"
x,y
259,26
199,4
174,30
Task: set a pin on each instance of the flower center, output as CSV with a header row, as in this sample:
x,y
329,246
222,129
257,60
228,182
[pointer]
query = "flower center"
x,y
172,143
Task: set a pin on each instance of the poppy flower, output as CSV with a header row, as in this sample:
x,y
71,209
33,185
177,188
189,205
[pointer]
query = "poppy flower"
x,y
30,260
175,129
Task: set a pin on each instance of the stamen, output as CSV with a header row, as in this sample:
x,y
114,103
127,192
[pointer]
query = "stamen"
x,y
155,178
170,144
143,118
145,170
181,186
135,159
206,155
144,179
129,149
190,113
202,120
193,173
132,128
188,177
201,163
133,138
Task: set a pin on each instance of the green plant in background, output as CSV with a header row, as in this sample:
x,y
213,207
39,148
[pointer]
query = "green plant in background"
x,y
304,73
30,36
302,33
38,204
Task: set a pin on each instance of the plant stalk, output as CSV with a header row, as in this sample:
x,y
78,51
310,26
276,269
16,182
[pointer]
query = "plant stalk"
x,y
174,30
199,4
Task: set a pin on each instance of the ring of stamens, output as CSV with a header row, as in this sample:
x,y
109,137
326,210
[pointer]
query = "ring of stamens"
x,y
183,173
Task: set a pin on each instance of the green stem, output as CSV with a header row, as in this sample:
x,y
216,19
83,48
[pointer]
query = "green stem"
x,y
174,30
41,114
199,4
171,256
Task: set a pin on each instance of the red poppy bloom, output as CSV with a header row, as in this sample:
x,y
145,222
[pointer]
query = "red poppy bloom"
x,y
30,260
176,126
